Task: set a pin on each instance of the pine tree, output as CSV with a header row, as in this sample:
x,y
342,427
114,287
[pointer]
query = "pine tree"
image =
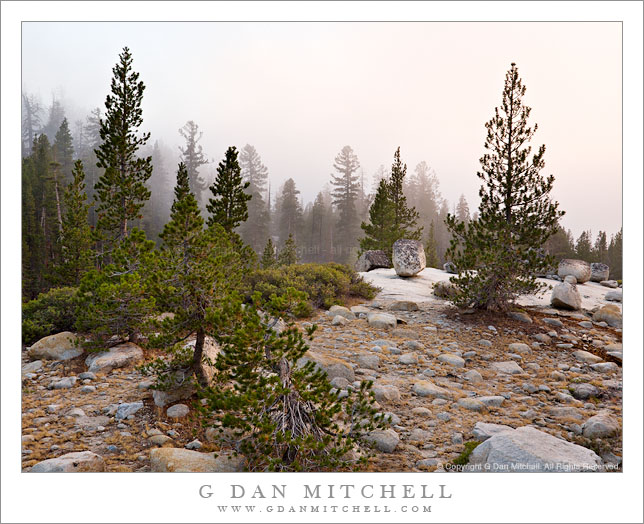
x,y
192,156
615,255
228,207
64,151
462,210
31,122
601,248
560,245
269,256
378,232
55,117
288,254
516,214
431,254
584,246
195,270
404,217
256,228
121,190
289,211
345,193
75,238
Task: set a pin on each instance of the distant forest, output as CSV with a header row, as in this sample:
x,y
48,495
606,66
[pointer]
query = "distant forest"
x,y
325,230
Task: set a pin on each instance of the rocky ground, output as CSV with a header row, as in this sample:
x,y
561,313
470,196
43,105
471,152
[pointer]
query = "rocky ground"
x,y
441,375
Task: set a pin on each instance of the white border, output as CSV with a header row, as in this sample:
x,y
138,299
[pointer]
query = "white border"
x,y
173,498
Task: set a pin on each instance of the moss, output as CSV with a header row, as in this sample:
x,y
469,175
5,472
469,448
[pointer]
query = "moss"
x,y
464,457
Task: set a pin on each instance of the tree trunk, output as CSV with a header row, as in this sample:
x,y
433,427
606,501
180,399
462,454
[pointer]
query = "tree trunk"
x,y
60,216
197,357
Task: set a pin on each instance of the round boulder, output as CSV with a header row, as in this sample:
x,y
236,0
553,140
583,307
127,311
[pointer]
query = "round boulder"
x,y
566,296
61,346
449,267
373,259
577,268
408,257
599,272
611,314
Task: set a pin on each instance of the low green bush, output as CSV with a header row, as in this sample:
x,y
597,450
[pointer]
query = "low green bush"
x,y
49,313
464,457
324,284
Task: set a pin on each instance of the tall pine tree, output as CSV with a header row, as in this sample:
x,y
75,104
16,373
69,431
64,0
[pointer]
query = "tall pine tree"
x,y
378,232
121,190
256,228
64,151
516,215
346,189
193,158
405,218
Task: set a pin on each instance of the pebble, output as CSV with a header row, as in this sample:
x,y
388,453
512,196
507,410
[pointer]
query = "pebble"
x,y
195,444
88,389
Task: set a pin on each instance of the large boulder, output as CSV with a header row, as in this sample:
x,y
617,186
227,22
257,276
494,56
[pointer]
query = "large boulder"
x,y
614,296
601,425
71,462
599,272
529,450
444,289
382,320
611,314
61,346
333,367
179,460
120,356
566,296
408,257
577,268
372,260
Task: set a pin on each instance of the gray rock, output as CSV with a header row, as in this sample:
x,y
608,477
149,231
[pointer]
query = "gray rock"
x,y
473,376
32,367
493,401
61,346
472,404
605,367
87,375
127,408
159,440
420,435
484,430
403,305
369,361
386,393
195,444
391,418
609,283
520,316
586,357
611,314
342,311
382,320
88,389
425,388
445,417
65,383
408,257
554,322
384,343
120,356
339,383
444,289
530,450
449,267
372,259
421,412
452,360
599,272
557,376
339,321
614,296
457,438
570,280
566,296
333,367
188,461
601,425
178,411
413,345
384,440
427,463
583,391
565,412
71,462
509,367
485,343
543,338
408,358
577,268
520,348
586,324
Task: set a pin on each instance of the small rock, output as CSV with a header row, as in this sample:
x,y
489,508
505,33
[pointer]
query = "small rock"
x,y
485,343
341,311
61,346
384,440
520,316
494,401
382,320
614,296
586,324
339,321
543,338
71,462
583,391
339,383
457,438
408,358
178,411
609,283
88,389
421,412
484,430
473,376
444,417
386,393
419,435
425,388
586,357
369,361
195,444
87,375
605,367
509,367
127,408
403,305
427,463
611,314
452,360
554,322
159,440
601,425
185,460
472,404
518,347
65,383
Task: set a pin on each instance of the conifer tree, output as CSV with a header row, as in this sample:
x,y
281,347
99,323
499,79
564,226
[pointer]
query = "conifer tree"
x,y
584,246
615,255
64,151
516,215
195,269
345,194
289,211
228,205
269,257
462,210
256,228
379,232
601,248
31,122
404,217
288,254
55,117
193,158
121,190
431,254
75,241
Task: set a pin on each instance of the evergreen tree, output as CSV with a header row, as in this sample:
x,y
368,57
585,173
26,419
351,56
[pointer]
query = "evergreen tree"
x,y
601,248
378,232
121,190
55,117
64,151
288,254
516,214
462,210
31,122
228,207
192,156
256,228
615,255
404,217
75,238
560,245
431,254
269,257
195,270
289,211
345,194
584,246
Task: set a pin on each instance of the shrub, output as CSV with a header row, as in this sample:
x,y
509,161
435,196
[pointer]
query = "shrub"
x,y
49,313
280,415
464,457
323,284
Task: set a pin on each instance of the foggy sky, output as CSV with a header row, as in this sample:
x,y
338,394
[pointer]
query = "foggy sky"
x,y
299,92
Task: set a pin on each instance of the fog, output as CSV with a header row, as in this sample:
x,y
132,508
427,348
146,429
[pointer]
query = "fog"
x,y
299,92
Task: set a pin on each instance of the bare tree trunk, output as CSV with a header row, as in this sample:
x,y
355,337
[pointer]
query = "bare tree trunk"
x,y
197,357
60,216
